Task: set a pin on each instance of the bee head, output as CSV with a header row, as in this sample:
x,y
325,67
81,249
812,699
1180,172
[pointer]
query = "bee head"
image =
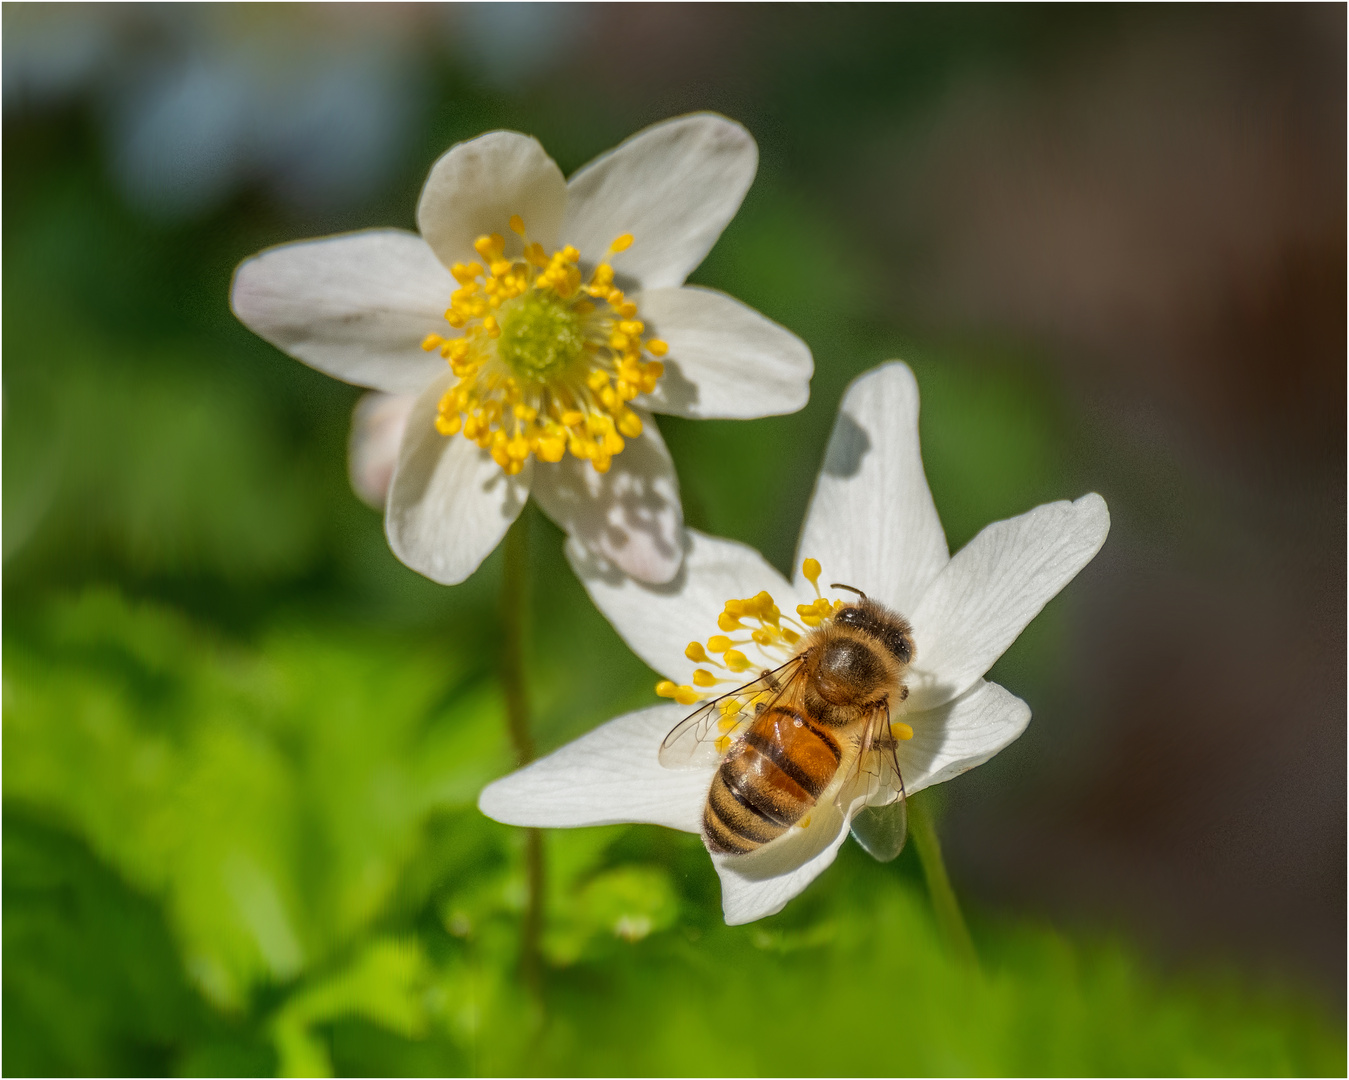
x,y
890,630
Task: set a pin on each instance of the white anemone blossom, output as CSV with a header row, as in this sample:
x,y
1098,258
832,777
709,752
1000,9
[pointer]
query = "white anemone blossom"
x,y
527,335
871,525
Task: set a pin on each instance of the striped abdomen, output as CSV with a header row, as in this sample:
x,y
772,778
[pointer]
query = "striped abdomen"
x,y
769,780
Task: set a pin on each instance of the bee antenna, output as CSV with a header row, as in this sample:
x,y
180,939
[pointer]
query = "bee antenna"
x,y
859,592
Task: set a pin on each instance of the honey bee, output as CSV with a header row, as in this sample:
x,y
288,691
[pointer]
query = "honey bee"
x,y
816,728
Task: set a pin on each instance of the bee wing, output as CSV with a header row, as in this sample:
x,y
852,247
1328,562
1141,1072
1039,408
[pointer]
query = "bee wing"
x,y
882,823
704,736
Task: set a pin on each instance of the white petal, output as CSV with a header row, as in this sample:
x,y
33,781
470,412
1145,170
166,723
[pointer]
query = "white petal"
x,y
630,516
377,425
993,587
450,503
673,186
726,360
475,187
757,885
357,307
871,522
608,776
955,737
659,621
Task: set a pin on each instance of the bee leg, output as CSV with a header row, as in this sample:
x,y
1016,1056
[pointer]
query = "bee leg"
x,y
903,692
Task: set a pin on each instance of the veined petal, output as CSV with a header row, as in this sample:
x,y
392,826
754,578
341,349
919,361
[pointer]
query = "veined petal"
x,y
608,776
630,516
659,621
993,587
726,361
871,522
673,186
955,737
475,187
759,884
450,503
356,307
377,426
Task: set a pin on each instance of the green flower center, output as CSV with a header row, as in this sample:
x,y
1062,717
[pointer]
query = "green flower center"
x,y
541,336
547,361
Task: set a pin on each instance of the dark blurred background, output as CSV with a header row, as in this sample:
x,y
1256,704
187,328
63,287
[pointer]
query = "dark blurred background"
x,y
1109,240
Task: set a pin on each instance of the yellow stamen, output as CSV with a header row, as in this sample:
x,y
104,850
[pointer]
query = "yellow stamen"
x,y
811,569
547,361
901,730
775,641
684,695
814,613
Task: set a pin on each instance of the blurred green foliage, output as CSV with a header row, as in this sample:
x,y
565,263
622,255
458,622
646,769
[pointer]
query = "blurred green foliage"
x,y
243,744
226,858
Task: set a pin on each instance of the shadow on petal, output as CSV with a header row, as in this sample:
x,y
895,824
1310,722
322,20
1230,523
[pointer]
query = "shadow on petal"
x,y
848,445
927,691
675,393
513,500
591,565
628,520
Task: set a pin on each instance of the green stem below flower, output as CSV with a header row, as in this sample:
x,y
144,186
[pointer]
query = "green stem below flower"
x,y
514,613
923,829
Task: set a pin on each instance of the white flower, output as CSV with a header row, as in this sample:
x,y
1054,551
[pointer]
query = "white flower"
x,y
872,524
524,319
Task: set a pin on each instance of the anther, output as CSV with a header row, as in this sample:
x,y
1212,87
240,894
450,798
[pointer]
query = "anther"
x,y
811,569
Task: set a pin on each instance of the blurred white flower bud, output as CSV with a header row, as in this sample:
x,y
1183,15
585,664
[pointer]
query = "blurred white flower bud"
x,y
377,425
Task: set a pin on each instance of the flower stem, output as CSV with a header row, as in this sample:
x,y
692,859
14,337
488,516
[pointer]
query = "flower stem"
x,y
514,612
944,904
